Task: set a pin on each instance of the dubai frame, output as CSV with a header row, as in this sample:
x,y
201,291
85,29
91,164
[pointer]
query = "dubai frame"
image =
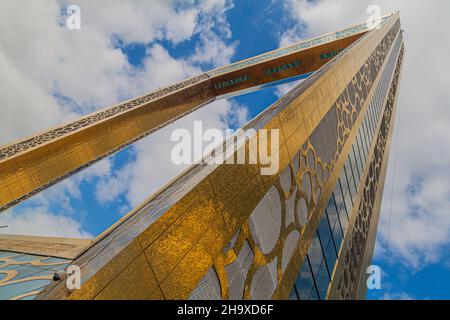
x,y
226,231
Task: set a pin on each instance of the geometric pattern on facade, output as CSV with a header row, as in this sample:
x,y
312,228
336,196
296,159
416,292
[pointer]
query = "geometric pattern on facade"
x,y
353,255
226,232
23,276
301,183
30,166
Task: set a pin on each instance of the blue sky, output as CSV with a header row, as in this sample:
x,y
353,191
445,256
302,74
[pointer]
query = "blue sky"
x,y
155,43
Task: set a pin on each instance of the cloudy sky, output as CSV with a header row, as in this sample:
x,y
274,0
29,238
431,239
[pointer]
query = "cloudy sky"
x,y
49,75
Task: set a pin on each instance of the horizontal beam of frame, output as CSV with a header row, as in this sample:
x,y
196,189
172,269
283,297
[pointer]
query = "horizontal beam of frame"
x,y
32,165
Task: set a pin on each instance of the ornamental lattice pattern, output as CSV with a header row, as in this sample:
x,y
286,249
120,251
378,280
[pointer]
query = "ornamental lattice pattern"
x,y
51,135
354,255
22,276
254,262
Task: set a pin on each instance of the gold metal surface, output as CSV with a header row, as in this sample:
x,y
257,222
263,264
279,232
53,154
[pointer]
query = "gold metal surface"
x,y
33,164
204,219
44,246
349,277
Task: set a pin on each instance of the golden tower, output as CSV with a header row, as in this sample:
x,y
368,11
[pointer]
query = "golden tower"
x,y
226,231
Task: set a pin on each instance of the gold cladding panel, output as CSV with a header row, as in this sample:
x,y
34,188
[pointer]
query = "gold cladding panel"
x,y
187,243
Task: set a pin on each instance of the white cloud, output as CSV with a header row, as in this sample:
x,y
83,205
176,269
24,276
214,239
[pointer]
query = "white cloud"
x,y
153,167
397,296
213,51
44,61
420,225
39,222
51,74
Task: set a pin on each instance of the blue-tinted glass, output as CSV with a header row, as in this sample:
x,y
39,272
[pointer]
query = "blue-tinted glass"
x,y
374,116
366,130
375,111
338,196
377,101
372,120
332,212
337,236
356,164
324,231
314,295
369,128
330,256
362,142
327,244
350,180
360,148
305,283
366,136
344,185
368,122
315,255
334,223
322,280
293,295
359,159
348,204
343,218
346,192
352,169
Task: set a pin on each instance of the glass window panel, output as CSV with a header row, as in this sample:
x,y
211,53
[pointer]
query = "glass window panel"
x,y
367,135
337,236
304,283
372,123
378,102
350,179
338,196
369,131
331,212
374,116
368,128
363,141
360,148
376,110
330,256
324,232
293,295
314,295
371,120
359,157
322,280
345,190
356,163
335,224
315,255
343,218
326,241
348,204
364,138
354,168
344,185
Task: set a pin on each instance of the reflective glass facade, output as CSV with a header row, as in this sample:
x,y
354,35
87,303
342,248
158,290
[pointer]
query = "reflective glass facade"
x,y
317,271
